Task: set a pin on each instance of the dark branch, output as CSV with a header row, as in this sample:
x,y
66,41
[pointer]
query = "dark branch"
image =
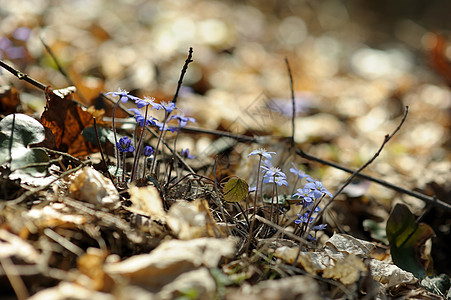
x,y
182,74
293,128
22,76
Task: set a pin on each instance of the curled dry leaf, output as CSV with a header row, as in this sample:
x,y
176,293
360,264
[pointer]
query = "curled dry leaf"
x,y
91,186
146,201
347,271
170,259
189,220
342,259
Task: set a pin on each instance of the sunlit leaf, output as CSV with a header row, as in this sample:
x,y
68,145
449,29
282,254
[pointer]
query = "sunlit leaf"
x,y
235,190
66,120
25,131
406,238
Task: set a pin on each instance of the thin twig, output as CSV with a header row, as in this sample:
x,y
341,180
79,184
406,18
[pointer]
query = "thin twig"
x,y
182,74
355,173
218,202
101,153
11,139
64,242
22,76
292,101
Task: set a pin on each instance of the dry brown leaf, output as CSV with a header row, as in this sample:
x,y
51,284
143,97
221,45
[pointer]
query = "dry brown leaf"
x,y
91,264
342,259
346,244
66,120
146,201
9,100
170,259
312,262
189,220
347,271
91,186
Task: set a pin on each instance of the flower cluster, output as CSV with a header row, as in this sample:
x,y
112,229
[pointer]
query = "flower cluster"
x,y
272,174
139,113
310,194
144,118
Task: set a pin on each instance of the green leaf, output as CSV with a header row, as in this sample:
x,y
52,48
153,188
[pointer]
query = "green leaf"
x,y
406,237
235,190
26,129
104,134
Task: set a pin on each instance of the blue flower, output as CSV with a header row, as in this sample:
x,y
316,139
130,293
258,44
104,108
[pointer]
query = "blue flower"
x,y
301,174
279,180
140,118
123,94
185,154
125,145
305,194
304,218
317,186
140,103
270,171
148,150
182,119
262,152
162,126
319,227
168,107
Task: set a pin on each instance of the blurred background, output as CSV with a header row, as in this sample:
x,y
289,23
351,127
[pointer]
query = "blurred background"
x,y
355,65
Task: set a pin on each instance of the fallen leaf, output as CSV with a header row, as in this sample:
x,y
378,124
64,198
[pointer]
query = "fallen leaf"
x,y
146,201
235,190
170,259
9,100
91,264
66,120
189,220
91,186
347,271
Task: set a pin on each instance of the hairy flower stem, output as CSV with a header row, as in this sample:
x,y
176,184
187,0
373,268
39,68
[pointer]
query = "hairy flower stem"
x,y
123,167
251,229
115,138
166,116
138,148
277,204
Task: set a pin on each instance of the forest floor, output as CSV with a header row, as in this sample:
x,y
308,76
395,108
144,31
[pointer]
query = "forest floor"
x,y
324,87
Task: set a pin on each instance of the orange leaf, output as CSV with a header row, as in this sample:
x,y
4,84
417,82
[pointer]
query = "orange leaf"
x,y
66,120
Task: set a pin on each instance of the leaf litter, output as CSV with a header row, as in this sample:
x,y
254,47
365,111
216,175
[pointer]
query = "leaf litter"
x,y
72,232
